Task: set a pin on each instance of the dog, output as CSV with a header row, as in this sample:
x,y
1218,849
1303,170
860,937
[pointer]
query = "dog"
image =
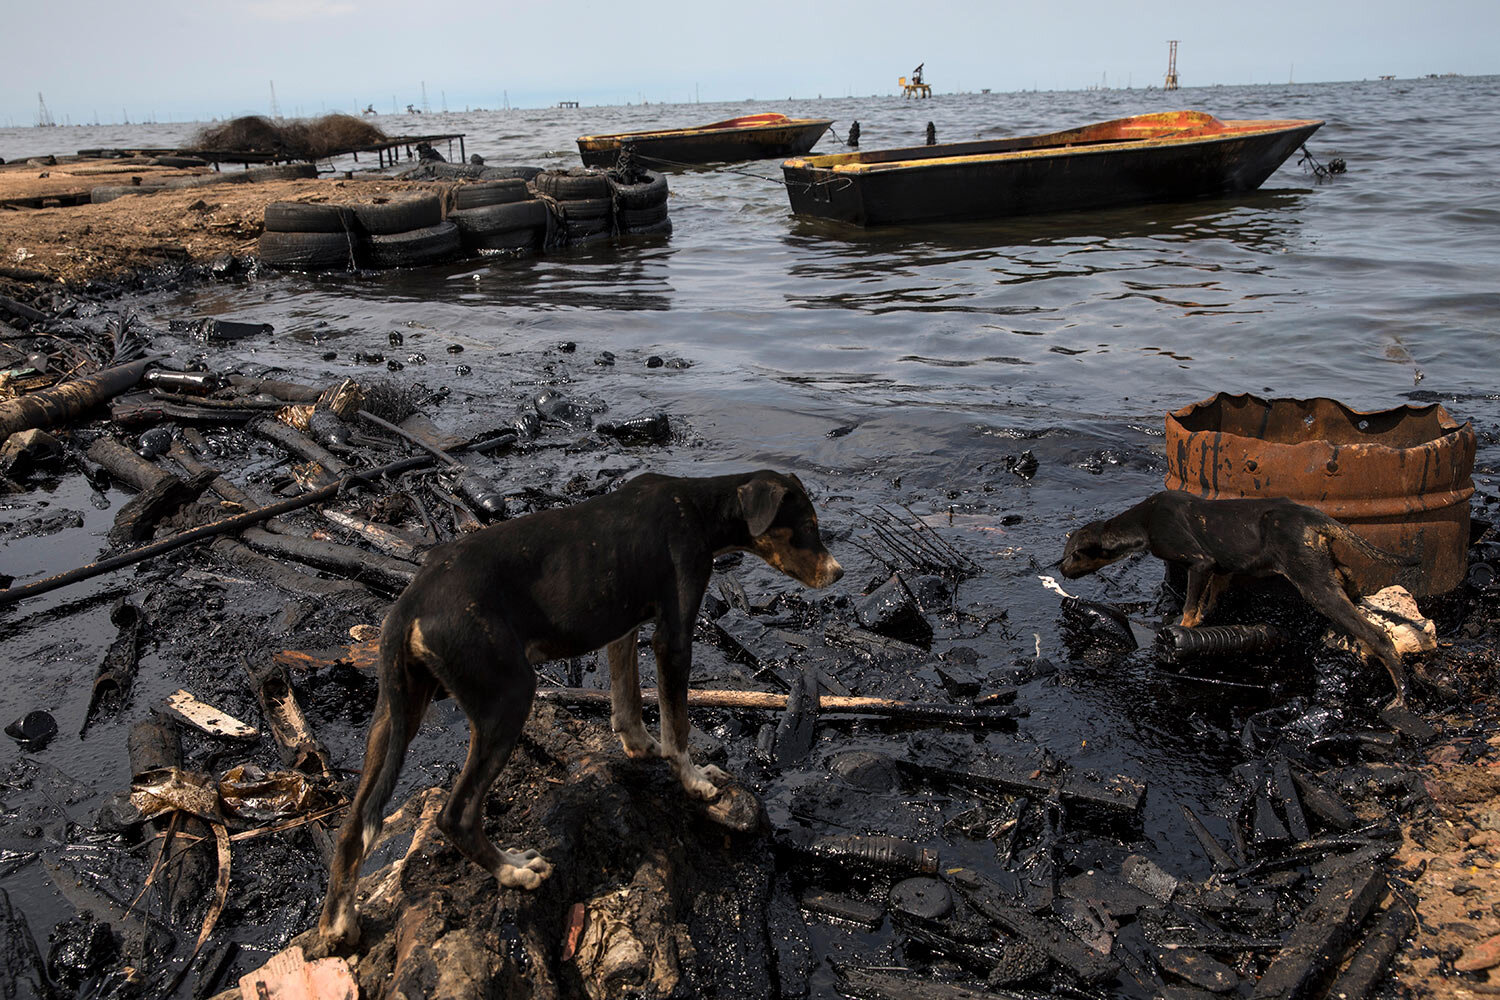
x,y
484,609
1221,539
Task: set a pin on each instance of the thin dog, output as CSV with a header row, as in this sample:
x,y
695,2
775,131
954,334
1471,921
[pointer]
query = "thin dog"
x,y
485,608
1220,539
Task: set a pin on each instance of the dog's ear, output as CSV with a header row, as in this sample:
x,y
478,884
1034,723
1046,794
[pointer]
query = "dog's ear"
x,y
760,499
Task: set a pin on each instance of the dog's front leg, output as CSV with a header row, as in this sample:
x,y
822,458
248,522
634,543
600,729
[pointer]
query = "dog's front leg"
x,y
674,661
625,699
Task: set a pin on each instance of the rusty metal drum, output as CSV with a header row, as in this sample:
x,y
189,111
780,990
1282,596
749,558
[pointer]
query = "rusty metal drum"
x,y
1400,478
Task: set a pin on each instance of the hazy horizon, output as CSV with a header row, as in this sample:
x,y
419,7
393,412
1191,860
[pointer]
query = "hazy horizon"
x,y
182,61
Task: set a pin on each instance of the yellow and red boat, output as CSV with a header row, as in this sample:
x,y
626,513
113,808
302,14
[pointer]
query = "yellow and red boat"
x,y
749,137
1170,156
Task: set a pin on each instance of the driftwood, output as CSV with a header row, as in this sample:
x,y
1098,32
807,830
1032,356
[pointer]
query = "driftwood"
x,y
64,402
237,523
117,670
291,392
381,536
124,464
154,743
297,443
279,574
1368,966
1325,927
298,747
384,571
906,711
1059,944
159,493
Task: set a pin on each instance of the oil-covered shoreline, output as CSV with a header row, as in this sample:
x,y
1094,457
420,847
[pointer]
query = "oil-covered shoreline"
x,y
921,415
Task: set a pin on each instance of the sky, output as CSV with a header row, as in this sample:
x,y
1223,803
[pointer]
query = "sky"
x,y
185,60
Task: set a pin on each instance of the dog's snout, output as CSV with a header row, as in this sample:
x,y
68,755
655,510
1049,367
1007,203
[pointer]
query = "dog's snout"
x,y
832,571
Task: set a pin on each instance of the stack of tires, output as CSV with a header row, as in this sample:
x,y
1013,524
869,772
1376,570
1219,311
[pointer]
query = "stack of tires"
x,y
499,215
400,232
583,203
641,205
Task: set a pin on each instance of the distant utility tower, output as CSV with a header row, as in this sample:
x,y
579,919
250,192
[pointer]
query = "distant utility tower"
x,y
1171,83
43,116
275,111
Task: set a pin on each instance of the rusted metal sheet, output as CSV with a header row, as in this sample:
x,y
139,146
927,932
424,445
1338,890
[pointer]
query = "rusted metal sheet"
x,y
1401,478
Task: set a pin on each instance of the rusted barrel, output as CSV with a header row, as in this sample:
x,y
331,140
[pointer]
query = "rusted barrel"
x,y
1400,477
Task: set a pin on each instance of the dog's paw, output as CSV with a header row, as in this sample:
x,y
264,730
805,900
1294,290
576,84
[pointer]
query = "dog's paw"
x,y
522,869
701,782
339,937
638,743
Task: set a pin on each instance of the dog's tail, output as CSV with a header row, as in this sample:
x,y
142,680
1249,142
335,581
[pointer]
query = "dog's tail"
x,y
1347,536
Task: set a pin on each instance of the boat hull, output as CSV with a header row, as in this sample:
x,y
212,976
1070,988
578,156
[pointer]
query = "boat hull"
x,y
693,147
973,181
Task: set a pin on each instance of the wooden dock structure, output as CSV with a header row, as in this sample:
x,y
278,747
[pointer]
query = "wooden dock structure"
x,y
387,151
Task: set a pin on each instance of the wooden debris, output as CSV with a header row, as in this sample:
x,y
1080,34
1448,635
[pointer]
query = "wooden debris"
x,y
842,907
1368,966
1222,861
299,748
1118,797
906,711
1064,948
64,402
117,670
1317,941
206,718
382,571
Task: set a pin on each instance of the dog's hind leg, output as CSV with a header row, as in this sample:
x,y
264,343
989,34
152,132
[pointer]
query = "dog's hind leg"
x,y
625,699
495,689
1327,595
405,690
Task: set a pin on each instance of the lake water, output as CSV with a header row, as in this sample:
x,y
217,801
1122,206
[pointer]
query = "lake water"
x,y
905,366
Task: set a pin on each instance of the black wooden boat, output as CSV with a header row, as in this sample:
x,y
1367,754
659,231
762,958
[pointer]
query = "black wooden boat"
x,y
749,137
1171,156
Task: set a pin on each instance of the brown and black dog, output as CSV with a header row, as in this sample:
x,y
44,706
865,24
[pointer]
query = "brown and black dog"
x,y
1220,539
483,609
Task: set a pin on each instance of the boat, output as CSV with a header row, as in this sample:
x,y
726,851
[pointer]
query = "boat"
x,y
1169,156
749,137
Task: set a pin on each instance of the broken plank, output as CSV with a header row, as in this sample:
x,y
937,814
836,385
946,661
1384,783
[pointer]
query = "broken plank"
x,y
1368,966
1059,944
1317,941
1117,796
202,716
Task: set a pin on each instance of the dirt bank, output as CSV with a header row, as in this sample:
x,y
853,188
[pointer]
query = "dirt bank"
x,y
78,243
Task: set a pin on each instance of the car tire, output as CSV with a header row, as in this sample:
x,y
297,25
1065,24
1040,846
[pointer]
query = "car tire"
x,y
485,193
401,215
579,183
632,219
646,194
586,209
529,214
301,217
308,251
415,247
